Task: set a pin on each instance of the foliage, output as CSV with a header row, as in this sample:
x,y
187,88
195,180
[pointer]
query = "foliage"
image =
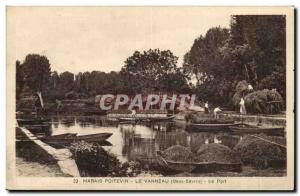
x,y
253,49
152,70
36,70
93,160
19,79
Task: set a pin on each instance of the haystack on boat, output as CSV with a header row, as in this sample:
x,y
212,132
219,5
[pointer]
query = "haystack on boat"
x,y
185,161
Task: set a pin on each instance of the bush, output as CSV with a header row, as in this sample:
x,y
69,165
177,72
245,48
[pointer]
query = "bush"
x,y
93,160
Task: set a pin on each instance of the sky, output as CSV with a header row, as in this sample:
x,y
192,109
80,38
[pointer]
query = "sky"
x,y
79,39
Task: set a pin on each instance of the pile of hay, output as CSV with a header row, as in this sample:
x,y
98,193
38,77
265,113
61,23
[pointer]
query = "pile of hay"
x,y
242,86
216,153
259,153
178,153
257,101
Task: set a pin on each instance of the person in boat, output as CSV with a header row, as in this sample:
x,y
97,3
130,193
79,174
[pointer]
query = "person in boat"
x,y
216,110
206,107
242,106
133,113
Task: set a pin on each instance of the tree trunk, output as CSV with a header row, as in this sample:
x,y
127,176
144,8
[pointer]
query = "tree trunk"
x,y
41,98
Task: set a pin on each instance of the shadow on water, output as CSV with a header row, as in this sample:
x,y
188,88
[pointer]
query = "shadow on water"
x,y
131,142
136,142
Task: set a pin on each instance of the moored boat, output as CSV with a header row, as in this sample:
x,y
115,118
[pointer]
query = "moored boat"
x,y
201,167
252,129
210,127
160,119
64,135
73,138
129,119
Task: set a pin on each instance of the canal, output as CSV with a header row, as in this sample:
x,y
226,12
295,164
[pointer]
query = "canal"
x,y
140,142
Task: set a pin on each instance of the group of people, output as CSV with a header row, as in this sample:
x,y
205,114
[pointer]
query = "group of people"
x,y
217,109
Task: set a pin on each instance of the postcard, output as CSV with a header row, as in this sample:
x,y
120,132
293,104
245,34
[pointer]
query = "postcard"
x,y
150,98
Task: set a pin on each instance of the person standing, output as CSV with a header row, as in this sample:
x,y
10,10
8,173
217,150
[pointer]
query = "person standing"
x,y
206,107
216,110
242,106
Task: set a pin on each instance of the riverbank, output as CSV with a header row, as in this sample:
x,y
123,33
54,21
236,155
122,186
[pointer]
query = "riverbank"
x,y
34,150
35,169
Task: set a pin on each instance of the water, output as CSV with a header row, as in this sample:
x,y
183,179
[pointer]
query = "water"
x,y
142,141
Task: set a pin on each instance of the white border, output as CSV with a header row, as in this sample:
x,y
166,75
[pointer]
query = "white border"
x,y
3,5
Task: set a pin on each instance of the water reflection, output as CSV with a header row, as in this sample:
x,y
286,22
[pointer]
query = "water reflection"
x,y
132,142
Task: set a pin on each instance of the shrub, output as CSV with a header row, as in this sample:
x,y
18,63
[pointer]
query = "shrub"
x,y
93,160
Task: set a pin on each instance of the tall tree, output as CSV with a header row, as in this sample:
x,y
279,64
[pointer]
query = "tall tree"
x,y
19,79
36,69
66,82
205,61
253,49
143,70
264,38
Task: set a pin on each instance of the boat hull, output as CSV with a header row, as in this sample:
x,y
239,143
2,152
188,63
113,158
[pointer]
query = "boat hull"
x,y
208,127
70,139
257,130
200,167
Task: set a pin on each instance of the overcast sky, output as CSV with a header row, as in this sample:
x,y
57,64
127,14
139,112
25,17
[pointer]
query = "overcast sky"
x,y
101,38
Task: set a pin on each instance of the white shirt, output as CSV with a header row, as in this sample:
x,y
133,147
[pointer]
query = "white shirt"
x,y
217,110
242,102
250,87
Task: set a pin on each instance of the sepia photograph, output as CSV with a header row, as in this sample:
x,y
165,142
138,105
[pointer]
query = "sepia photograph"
x,y
150,98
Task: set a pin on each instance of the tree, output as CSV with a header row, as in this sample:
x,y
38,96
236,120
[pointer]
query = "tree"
x,y
264,40
253,49
66,82
174,82
19,79
36,71
206,62
142,72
